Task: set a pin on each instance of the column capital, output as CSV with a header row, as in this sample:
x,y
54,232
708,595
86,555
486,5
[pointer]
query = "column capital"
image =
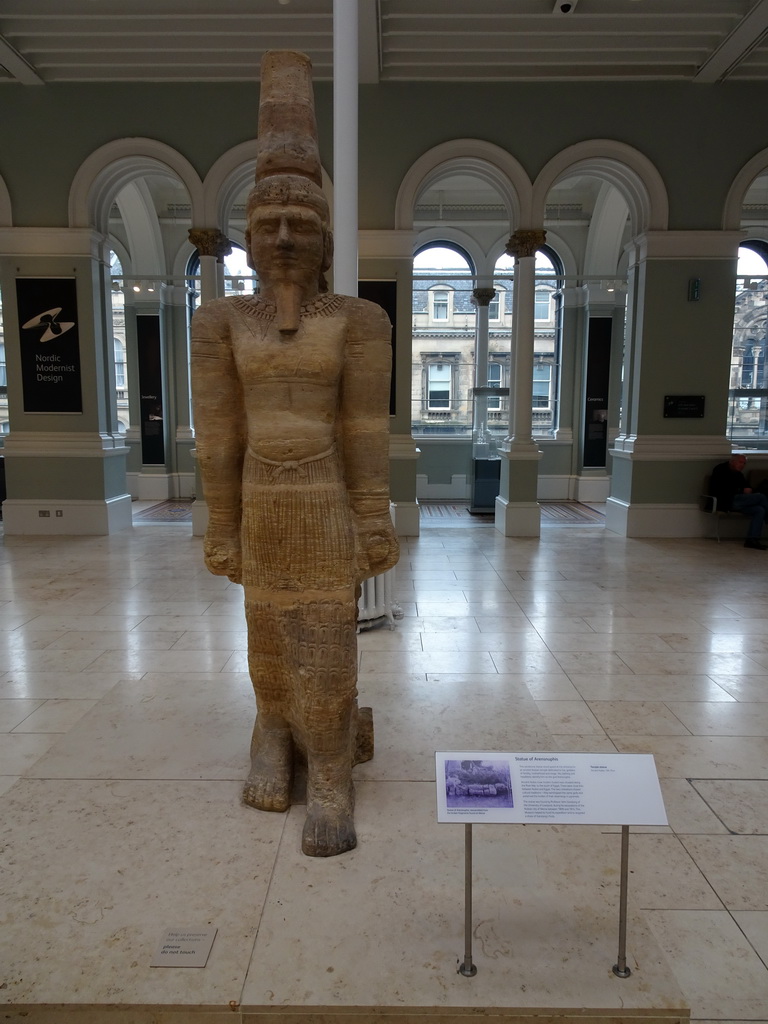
x,y
525,242
210,242
483,296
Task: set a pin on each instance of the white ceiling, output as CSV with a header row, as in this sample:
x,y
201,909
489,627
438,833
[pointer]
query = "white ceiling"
x,y
45,41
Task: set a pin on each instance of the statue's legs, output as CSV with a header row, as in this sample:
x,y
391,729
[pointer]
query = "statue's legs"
x,y
327,721
268,787
302,655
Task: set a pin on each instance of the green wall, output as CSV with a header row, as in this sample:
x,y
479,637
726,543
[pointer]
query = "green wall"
x,y
698,136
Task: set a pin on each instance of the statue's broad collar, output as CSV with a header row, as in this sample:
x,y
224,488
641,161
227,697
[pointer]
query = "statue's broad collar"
x,y
263,309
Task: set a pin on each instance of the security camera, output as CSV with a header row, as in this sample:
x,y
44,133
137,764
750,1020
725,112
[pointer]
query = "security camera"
x,y
564,6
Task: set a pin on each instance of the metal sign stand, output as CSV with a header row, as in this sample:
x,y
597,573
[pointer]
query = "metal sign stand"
x,y
620,969
467,968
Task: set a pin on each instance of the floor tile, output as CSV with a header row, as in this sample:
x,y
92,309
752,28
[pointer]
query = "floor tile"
x,y
567,716
754,924
59,685
630,687
638,718
692,664
740,804
426,661
687,811
735,866
754,689
716,719
19,752
163,727
56,716
14,711
717,968
519,640
706,757
131,859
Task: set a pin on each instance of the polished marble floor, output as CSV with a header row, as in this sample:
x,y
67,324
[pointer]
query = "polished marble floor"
x,y
126,710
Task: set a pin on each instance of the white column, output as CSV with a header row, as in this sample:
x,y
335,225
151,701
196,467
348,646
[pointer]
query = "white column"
x,y
523,245
517,510
345,79
481,441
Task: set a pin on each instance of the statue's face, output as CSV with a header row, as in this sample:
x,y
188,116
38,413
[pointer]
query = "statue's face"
x,y
286,243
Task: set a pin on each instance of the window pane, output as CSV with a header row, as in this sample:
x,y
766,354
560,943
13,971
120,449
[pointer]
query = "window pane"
x,y
440,305
748,392
439,388
494,380
542,306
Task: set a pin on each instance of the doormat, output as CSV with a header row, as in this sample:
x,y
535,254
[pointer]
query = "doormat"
x,y
565,513
553,513
178,510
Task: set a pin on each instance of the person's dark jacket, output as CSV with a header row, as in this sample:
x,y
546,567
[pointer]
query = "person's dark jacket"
x,y
724,484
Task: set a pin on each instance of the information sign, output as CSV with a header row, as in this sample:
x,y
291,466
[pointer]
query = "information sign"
x,y
548,788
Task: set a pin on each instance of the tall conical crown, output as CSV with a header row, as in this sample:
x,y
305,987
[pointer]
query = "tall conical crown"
x,y
287,142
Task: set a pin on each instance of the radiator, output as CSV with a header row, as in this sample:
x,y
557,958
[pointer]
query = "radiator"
x,y
376,601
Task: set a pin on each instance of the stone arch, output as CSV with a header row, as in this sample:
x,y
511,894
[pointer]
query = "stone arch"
x,y
6,217
618,164
229,175
108,169
459,238
484,160
738,190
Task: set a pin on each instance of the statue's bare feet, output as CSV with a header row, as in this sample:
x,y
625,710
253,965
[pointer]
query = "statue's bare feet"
x,y
329,828
268,787
328,832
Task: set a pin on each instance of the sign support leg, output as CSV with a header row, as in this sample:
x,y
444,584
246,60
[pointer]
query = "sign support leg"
x,y
620,968
467,968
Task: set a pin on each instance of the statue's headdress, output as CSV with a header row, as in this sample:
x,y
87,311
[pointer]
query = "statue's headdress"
x,y
288,163
288,168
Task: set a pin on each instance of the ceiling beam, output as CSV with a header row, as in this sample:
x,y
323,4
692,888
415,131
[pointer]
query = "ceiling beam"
x,y
368,42
736,46
13,62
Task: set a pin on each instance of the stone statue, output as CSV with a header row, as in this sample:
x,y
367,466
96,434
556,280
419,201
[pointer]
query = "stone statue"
x,y
290,390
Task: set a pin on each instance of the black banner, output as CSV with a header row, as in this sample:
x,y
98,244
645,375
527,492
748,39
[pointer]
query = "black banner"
x,y
50,344
598,377
151,389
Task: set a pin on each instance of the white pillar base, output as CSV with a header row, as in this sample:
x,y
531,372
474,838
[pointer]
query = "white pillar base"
x,y
21,517
406,518
657,520
517,518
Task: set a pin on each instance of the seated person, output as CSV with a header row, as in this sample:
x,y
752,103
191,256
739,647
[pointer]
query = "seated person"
x,y
729,486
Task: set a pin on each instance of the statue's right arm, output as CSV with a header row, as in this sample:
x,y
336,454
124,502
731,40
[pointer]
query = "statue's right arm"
x,y
220,435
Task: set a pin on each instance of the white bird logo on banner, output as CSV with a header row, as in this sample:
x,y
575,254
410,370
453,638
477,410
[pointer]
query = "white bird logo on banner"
x,y
49,320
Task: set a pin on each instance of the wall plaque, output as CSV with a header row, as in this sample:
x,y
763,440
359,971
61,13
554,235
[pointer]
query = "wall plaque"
x,y
684,407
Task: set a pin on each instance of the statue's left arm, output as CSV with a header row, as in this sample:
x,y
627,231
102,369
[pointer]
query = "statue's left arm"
x,y
219,414
365,432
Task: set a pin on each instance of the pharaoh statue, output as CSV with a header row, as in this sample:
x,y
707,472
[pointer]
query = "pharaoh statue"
x,y
290,390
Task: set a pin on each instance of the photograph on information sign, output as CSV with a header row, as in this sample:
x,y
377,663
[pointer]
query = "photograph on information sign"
x,y
478,784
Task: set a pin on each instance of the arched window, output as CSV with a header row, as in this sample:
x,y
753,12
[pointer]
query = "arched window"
x,y
239,279
748,391
443,341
